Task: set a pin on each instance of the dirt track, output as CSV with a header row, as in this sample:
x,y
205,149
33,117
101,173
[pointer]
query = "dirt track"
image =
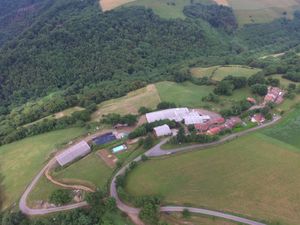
x,y
222,2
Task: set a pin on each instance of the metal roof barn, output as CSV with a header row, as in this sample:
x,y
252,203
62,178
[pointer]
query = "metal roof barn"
x,y
194,118
163,130
176,114
69,155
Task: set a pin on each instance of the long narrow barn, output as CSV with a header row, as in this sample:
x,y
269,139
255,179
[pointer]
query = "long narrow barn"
x,y
74,152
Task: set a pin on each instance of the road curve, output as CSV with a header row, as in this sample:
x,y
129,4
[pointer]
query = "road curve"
x,y
132,212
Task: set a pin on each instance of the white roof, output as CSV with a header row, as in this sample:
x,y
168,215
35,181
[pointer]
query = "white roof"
x,y
72,153
195,118
163,130
176,114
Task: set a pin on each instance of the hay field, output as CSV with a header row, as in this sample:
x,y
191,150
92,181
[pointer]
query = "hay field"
x,y
21,160
255,176
107,5
130,103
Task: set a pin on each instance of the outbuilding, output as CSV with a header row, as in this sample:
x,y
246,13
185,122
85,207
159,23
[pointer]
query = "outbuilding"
x,y
72,153
163,130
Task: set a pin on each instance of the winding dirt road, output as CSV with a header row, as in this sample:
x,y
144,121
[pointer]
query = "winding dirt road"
x,y
132,212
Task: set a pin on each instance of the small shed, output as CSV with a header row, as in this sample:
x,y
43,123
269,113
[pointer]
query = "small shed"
x,y
258,118
163,130
76,151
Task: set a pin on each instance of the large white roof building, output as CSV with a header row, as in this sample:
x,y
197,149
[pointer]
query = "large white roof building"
x,y
176,114
79,150
163,130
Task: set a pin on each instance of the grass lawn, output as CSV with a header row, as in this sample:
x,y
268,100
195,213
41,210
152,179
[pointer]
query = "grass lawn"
x,y
169,9
41,191
21,160
186,94
177,219
219,72
256,176
287,130
90,170
130,103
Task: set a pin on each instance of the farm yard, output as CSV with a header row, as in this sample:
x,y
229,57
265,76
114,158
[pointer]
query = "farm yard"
x,y
229,178
21,160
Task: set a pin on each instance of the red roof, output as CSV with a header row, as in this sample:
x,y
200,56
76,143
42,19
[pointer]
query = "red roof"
x,y
215,130
219,120
202,126
232,122
259,118
252,100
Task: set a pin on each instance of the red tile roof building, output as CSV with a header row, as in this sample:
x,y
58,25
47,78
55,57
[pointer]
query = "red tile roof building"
x,y
258,118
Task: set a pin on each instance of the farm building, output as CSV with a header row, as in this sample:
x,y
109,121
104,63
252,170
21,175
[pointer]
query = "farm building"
x,y
258,118
176,114
163,130
202,127
195,118
74,152
275,95
232,122
216,130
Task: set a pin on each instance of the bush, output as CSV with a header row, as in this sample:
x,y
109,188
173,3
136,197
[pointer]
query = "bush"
x,y
143,110
260,89
60,197
224,88
186,214
144,158
166,105
148,142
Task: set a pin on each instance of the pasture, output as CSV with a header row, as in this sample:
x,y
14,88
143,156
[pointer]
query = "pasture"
x,y
91,171
218,73
130,103
186,94
21,160
287,130
256,176
262,11
190,95
283,82
169,9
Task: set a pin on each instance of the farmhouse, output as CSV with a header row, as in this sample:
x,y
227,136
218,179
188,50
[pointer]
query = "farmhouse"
x,y
258,118
74,152
163,130
202,127
275,95
216,130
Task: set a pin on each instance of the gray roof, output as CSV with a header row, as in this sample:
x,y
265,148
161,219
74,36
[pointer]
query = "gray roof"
x,y
176,114
78,150
163,130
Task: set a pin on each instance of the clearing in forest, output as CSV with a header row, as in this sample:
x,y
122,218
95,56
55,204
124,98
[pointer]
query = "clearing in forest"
x,y
130,103
107,5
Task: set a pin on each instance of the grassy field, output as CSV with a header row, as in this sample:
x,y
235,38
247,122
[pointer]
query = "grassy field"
x,y
90,170
257,176
130,103
186,94
262,11
190,95
176,219
219,72
283,82
42,191
21,160
169,9
288,130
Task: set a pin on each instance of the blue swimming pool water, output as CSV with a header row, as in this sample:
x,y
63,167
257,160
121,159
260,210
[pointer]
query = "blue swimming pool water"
x,y
105,138
118,149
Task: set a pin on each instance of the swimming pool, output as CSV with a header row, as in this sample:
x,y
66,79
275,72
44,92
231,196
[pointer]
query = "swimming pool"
x,y
119,148
105,138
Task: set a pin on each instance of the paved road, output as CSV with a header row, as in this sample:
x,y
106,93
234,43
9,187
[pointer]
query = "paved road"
x,y
131,211
210,213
